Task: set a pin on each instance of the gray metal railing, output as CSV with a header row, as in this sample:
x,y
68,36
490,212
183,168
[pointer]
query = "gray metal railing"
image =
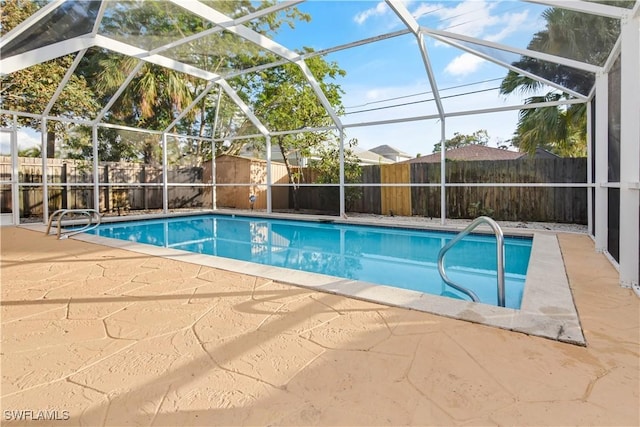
x,y
59,215
499,252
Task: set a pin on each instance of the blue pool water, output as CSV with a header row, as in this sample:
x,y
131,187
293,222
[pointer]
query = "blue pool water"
x,y
395,257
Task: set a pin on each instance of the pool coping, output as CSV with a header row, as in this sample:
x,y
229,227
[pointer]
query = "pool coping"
x,y
547,308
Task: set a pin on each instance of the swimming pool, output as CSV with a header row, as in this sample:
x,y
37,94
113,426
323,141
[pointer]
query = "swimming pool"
x,y
398,257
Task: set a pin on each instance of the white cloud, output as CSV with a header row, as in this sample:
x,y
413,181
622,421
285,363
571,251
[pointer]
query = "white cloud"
x,y
473,18
464,64
512,22
4,147
374,94
379,10
425,9
28,138
470,17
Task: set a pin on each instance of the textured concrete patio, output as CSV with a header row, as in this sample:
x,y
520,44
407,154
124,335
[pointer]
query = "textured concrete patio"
x,y
100,336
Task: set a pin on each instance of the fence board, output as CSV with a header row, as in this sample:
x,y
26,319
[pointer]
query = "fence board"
x,y
395,200
371,196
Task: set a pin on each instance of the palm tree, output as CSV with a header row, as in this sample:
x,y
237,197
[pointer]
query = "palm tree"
x,y
570,34
151,99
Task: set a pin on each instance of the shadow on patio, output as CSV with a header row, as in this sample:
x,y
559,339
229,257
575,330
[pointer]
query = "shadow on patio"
x,y
116,338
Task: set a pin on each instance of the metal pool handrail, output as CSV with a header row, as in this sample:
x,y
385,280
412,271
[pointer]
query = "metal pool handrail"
x,y
59,215
500,258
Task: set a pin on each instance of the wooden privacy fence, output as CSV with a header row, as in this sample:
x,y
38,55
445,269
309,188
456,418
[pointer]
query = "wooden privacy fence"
x,y
544,204
71,185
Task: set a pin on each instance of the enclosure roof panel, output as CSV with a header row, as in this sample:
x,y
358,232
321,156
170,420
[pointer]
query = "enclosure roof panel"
x,y
66,21
149,24
235,41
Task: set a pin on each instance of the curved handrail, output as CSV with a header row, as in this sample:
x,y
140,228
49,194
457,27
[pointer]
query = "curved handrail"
x,y
499,252
60,213
51,218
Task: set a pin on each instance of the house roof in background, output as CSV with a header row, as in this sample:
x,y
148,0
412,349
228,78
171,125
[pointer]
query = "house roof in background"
x,y
541,153
370,157
470,152
388,150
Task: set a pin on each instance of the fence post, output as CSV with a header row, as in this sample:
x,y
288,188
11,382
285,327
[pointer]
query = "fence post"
x,y
143,180
26,196
107,207
63,181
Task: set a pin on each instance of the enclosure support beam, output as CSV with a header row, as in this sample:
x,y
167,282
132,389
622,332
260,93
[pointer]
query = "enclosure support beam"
x,y
443,175
63,83
263,42
341,155
165,180
45,175
244,107
15,173
506,65
441,112
96,170
214,152
269,177
214,199
630,153
186,110
38,56
505,48
602,161
411,23
590,140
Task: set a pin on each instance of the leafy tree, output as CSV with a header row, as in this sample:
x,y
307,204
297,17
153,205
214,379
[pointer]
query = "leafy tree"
x,y
479,137
157,95
284,100
327,164
31,89
30,152
575,35
113,145
281,97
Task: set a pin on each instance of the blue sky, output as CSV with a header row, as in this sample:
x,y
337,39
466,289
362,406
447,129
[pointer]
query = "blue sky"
x,y
391,72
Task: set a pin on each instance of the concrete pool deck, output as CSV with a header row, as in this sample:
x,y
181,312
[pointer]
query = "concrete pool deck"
x,y
106,336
